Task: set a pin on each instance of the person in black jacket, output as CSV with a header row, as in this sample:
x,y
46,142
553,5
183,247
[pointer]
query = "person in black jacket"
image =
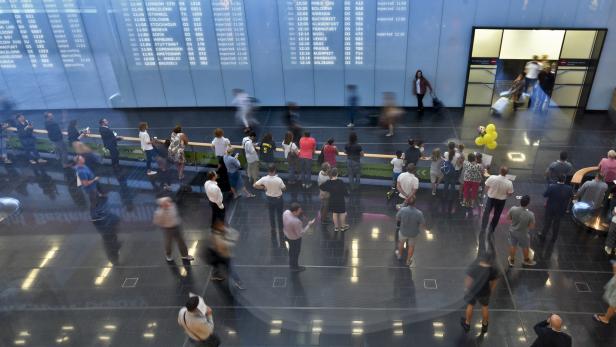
x,y
549,333
559,195
55,136
413,153
110,141
27,139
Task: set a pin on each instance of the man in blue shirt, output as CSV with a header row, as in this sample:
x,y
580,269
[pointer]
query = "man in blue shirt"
x,y
87,181
559,195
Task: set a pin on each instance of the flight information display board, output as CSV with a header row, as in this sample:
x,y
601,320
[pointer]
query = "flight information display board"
x,y
159,53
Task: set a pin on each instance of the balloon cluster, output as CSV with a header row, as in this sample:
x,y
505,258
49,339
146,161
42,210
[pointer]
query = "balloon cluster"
x,y
487,136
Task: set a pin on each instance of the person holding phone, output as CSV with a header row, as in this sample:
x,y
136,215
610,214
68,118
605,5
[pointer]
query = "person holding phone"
x,y
294,229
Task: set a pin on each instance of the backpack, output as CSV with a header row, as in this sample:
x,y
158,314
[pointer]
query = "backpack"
x,y
447,167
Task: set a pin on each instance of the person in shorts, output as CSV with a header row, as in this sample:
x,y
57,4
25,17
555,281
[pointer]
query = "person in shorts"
x,y
522,220
481,279
411,222
436,175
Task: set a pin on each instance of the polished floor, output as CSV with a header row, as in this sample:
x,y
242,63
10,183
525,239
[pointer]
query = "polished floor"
x,y
64,283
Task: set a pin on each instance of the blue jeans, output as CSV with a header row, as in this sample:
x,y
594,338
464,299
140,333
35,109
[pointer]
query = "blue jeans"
x,y
292,164
352,113
150,155
354,169
306,169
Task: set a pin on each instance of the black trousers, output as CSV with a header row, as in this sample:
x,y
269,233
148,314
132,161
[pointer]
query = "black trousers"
x,y
552,219
420,104
218,214
274,207
114,154
498,206
295,246
212,341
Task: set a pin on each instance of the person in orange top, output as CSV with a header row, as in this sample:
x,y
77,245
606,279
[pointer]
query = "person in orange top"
x,y
307,146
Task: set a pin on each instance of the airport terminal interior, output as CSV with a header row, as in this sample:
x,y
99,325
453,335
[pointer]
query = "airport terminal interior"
x,y
307,173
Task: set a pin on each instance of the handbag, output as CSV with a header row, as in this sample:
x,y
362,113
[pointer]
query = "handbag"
x,y
321,157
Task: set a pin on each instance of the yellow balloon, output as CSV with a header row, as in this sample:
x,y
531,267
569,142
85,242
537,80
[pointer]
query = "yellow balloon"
x,y
479,141
495,134
489,137
490,128
491,145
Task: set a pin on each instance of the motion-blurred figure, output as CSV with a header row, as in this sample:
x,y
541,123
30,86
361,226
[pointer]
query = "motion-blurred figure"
x,y
244,107
480,281
292,117
106,223
167,218
352,104
391,113
222,241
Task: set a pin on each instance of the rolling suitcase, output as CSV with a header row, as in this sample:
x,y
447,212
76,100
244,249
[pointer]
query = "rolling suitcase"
x,y
502,106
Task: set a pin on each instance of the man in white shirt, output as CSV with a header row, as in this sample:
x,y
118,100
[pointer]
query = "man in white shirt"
x,y
198,326
407,183
294,229
146,147
252,157
214,195
243,106
273,186
532,69
498,188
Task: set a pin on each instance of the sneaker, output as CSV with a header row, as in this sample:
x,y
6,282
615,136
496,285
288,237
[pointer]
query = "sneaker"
x,y
298,269
389,134
511,261
465,326
350,125
33,162
188,258
168,259
409,262
151,172
337,229
433,193
42,161
529,262
397,253
345,227
217,277
608,250
484,328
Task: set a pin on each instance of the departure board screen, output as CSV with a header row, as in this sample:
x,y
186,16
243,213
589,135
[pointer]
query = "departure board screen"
x,y
159,53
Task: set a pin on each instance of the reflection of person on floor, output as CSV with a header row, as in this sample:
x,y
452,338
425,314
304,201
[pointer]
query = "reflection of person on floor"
x,y
87,181
28,141
106,223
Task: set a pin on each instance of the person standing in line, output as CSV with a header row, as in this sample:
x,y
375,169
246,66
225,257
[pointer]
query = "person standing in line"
x,y
177,144
291,155
214,195
459,166
522,220
307,147
592,192
407,184
450,175
55,136
610,297
252,156
243,107
480,281
147,148
323,195
420,86
220,143
222,242
472,175
558,198
352,104
436,175
28,141
110,141
411,223
337,204
549,333
273,186
167,218
199,326
398,165
498,189
330,151
293,231
354,152
558,168
267,149
233,166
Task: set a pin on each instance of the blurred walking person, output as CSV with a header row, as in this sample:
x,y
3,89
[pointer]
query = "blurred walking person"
x,y
354,152
167,218
243,108
222,242
610,297
352,104
390,113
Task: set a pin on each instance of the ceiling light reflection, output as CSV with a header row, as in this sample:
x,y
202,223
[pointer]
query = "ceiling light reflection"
x,y
375,233
357,331
103,274
20,342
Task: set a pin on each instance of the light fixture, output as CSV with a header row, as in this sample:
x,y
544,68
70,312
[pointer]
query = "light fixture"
x,y
397,323
354,277
276,322
110,327
104,337
68,328
20,342
316,330
375,233
398,332
516,156
27,283
275,331
439,334
437,324
357,331
148,335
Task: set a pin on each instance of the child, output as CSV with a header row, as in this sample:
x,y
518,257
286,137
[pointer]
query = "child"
x,y
436,175
398,164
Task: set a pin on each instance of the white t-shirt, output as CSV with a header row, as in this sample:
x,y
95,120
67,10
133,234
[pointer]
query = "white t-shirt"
x,y
250,151
291,147
398,163
144,137
273,185
408,183
418,86
532,69
499,187
220,145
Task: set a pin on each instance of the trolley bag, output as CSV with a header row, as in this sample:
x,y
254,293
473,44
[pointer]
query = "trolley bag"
x,y
437,104
502,105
